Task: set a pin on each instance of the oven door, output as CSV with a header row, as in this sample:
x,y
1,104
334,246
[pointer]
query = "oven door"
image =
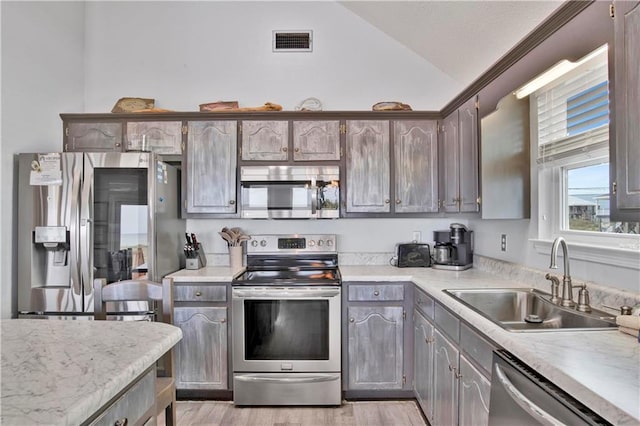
x,y
291,329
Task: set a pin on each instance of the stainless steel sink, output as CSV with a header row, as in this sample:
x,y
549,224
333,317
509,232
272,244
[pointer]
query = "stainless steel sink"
x,y
517,309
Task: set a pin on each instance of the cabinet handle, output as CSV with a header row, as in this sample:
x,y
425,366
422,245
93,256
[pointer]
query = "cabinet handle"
x,y
451,368
223,320
198,294
284,149
387,201
232,202
455,373
118,145
429,339
297,150
351,319
398,201
121,422
376,293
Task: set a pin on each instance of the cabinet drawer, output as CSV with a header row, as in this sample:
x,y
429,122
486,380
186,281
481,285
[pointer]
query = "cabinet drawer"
x,y
447,322
200,293
424,303
376,292
477,348
133,404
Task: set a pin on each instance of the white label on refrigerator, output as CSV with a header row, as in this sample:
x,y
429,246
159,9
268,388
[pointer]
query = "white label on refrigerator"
x,y
46,170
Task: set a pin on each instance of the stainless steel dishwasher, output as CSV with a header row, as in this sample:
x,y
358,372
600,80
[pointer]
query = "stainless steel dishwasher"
x,y
520,396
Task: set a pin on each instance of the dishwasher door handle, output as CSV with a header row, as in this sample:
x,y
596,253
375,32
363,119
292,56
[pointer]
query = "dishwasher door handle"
x,y
525,403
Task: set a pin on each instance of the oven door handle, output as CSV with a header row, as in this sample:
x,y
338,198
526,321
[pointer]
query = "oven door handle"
x,y
292,294
316,378
314,197
525,403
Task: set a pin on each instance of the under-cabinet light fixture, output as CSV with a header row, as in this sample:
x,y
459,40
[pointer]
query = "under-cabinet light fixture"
x,y
556,71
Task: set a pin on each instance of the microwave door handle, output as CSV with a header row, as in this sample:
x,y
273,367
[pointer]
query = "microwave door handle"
x,y
523,402
314,197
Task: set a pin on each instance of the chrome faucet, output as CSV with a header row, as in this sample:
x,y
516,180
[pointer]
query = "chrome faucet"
x,y
567,289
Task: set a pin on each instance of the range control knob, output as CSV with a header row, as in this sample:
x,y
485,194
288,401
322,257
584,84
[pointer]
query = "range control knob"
x,y
263,243
254,243
329,243
320,243
312,243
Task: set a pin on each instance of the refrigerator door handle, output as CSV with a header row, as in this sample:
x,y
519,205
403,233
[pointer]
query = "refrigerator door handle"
x,y
86,253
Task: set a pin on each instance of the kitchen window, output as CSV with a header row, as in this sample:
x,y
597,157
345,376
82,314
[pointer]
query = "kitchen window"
x,y
570,128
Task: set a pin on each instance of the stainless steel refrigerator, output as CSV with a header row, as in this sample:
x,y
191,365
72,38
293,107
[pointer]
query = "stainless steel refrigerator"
x,y
92,215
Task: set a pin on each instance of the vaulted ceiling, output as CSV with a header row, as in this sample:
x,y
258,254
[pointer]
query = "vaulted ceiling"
x,y
460,38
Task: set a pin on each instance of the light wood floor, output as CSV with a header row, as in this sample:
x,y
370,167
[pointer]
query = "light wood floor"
x,y
369,413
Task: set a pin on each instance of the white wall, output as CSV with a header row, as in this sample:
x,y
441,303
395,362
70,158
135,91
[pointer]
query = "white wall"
x,y
187,53
42,75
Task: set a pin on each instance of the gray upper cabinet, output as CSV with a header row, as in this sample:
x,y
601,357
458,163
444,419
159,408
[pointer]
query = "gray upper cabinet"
x,y
201,355
416,166
265,140
316,140
368,168
163,137
504,158
625,147
376,338
93,137
210,170
460,159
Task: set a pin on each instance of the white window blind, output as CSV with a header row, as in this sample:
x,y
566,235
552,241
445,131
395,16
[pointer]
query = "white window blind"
x,y
573,111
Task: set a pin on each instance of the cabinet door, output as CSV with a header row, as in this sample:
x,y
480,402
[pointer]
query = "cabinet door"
x,y
451,164
316,140
368,166
201,355
625,149
423,364
93,137
265,140
468,140
211,167
163,137
445,382
416,166
375,335
475,391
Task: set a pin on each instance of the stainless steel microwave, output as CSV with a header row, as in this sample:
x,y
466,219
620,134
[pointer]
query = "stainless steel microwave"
x,y
290,192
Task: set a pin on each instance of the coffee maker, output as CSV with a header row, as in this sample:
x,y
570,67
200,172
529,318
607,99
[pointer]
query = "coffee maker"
x,y
453,248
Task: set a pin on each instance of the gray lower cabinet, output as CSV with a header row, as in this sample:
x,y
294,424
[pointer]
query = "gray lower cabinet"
x,y
209,173
375,337
201,357
423,347
625,146
445,381
474,390
376,347
452,373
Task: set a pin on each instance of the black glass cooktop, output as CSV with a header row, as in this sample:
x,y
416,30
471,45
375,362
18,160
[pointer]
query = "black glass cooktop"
x,y
292,276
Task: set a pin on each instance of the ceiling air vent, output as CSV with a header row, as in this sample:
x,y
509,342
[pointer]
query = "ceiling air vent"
x,y
292,41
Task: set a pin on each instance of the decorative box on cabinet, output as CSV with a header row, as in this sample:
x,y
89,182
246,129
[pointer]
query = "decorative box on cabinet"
x,y
460,160
201,357
377,330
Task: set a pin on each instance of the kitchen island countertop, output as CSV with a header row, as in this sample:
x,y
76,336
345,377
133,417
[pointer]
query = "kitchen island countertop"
x,y
599,368
57,372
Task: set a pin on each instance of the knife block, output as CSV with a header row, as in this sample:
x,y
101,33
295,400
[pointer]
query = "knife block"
x,y
200,261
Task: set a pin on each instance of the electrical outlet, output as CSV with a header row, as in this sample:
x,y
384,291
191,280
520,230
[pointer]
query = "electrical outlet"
x,y
503,242
417,236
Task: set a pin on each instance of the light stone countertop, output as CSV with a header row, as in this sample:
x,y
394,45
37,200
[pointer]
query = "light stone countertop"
x,y
57,372
599,368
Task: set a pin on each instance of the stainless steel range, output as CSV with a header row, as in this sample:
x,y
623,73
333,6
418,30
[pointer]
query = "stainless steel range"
x,y
286,322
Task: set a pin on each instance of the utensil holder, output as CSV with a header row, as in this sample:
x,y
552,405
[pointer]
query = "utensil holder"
x,y
200,261
235,258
